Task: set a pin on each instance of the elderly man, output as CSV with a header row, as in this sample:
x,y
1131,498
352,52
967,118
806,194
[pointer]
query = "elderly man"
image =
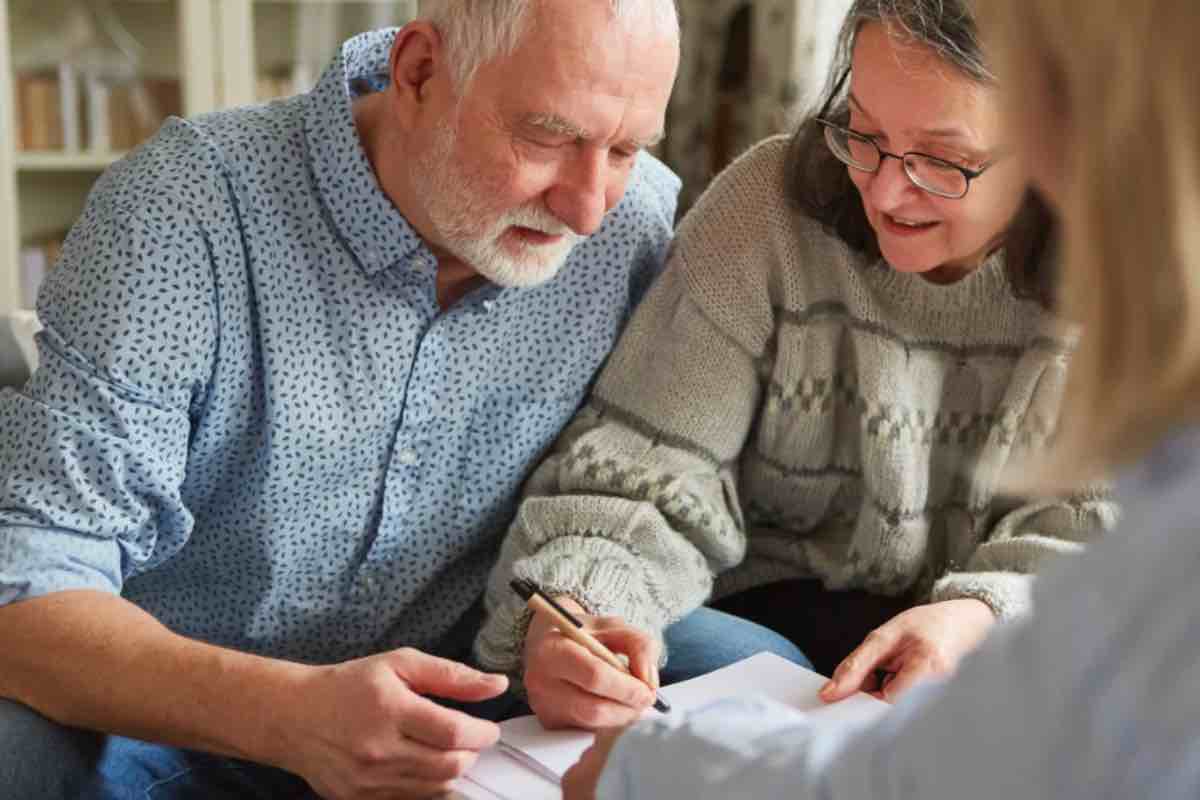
x,y
297,360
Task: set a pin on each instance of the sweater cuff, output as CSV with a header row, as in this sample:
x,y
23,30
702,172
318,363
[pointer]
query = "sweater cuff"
x,y
602,576
1008,594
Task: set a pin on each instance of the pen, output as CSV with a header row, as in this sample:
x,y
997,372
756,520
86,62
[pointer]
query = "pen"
x,y
572,628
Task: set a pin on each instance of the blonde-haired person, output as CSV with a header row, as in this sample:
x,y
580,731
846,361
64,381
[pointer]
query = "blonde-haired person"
x,y
1095,696
808,414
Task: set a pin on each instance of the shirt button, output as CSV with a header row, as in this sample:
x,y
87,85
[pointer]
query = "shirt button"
x,y
489,305
407,457
372,255
369,584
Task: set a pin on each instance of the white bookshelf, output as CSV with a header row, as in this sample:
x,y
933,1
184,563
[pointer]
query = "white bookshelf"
x,y
216,48
9,241
51,161
42,192
265,37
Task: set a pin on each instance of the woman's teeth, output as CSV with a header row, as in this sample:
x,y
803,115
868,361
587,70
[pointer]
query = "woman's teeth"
x,y
910,223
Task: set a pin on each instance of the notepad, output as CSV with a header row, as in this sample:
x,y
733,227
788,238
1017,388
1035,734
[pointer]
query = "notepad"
x,y
529,761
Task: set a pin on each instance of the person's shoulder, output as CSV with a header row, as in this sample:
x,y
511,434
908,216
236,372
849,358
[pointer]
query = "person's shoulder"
x,y
753,182
169,165
747,205
652,192
746,221
1162,485
189,161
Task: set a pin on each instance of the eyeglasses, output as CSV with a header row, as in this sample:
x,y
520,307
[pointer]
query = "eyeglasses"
x,y
859,151
934,175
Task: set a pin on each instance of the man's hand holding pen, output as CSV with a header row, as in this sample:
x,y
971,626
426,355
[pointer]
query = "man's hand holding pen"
x,y
568,686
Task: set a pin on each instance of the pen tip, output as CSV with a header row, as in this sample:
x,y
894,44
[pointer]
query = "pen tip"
x,y
522,587
662,705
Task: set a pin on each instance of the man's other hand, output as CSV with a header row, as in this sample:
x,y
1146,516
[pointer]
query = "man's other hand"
x,y
365,729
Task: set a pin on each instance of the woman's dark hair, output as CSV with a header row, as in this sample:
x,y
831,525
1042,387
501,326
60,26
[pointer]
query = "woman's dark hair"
x,y
819,184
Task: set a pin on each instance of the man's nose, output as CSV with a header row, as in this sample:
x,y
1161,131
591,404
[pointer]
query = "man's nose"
x,y
580,196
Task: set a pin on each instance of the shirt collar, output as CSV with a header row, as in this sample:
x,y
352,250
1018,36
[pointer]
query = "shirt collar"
x,y
375,231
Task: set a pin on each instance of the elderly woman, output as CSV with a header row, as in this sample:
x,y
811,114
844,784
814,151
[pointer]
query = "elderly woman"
x,y
1096,696
809,413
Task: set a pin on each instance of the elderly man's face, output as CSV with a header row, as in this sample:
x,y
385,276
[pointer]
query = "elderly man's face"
x,y
543,142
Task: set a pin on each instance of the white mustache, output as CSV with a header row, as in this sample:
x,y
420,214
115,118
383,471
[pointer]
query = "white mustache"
x,y
541,221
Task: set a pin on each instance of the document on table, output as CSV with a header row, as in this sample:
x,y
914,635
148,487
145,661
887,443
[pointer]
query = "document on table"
x,y
529,761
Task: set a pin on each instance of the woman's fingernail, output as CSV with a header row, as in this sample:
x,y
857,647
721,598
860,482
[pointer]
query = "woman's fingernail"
x,y
827,688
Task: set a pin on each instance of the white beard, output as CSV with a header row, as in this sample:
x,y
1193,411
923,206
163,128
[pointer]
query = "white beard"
x,y
457,207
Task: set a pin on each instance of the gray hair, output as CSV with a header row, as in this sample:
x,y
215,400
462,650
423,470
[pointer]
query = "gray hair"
x,y
947,27
477,31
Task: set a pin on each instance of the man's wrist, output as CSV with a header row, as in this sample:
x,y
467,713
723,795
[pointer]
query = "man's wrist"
x,y
275,697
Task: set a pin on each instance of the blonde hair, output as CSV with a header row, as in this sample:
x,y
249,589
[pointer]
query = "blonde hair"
x,y
477,31
1119,79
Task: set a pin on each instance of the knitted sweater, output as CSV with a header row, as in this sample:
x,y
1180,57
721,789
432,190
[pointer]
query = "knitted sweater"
x,y
782,406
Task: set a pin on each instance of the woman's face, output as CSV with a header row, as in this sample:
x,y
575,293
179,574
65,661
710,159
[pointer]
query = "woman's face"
x,y
908,99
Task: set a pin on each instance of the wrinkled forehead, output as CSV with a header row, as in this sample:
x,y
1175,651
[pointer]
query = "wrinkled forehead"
x,y
906,84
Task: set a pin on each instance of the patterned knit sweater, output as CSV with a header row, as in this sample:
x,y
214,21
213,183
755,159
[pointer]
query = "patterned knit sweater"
x,y
783,407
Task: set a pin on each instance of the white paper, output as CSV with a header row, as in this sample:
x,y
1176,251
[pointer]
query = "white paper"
x,y
495,776
533,752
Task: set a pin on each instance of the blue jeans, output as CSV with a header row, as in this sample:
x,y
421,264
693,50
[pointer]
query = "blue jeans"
x,y
40,760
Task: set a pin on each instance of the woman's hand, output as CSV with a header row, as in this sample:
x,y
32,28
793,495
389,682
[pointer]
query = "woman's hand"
x,y
927,641
568,687
581,780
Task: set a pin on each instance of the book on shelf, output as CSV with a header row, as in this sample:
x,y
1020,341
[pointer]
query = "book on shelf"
x,y
70,100
39,111
136,110
96,94
65,108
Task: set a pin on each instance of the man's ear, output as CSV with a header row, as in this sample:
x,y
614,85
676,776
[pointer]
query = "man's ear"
x,y
415,61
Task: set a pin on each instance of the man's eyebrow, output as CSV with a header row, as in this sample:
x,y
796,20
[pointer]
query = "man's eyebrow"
x,y
561,126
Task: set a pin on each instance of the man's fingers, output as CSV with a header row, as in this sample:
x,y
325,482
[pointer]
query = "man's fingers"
x,y
441,677
404,763
852,674
432,725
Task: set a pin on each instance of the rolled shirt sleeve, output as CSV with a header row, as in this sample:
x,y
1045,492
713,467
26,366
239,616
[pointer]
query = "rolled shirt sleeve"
x,y
93,449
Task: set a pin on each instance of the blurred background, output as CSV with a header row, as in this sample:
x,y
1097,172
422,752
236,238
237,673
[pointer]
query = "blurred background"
x,y
83,81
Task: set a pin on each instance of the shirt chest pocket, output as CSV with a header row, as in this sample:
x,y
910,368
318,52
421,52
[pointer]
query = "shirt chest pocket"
x,y
507,437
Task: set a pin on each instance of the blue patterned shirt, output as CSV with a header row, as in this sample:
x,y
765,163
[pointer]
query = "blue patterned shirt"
x,y
251,417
